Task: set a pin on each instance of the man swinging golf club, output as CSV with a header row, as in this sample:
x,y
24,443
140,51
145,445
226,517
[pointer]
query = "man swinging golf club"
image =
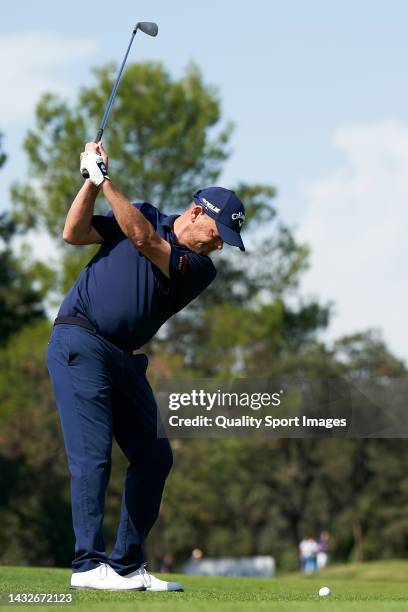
x,y
150,265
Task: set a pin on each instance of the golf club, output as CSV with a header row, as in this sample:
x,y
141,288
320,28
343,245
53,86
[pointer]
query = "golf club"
x,y
147,27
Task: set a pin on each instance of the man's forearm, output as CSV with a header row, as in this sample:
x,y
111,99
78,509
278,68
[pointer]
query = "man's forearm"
x,y
131,221
79,217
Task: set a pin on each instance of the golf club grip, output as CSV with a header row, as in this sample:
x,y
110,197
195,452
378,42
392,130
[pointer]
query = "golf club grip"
x,y
99,135
85,172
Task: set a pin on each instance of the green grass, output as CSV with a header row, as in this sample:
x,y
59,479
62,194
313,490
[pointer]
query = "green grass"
x,y
372,587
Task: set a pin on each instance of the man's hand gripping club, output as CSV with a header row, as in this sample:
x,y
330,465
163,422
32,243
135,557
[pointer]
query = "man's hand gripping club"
x,y
95,160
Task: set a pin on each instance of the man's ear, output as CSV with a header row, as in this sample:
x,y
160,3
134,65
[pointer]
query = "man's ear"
x,y
195,212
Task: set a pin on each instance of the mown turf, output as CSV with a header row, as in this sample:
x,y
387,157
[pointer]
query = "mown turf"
x,y
367,587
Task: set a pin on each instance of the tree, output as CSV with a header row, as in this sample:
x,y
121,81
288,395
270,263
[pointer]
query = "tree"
x,y
34,500
20,296
3,156
21,301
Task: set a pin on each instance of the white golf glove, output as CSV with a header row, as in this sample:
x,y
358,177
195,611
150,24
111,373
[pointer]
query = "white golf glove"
x,y
94,165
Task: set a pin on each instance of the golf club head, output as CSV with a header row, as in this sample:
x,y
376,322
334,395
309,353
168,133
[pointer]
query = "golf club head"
x,y
148,27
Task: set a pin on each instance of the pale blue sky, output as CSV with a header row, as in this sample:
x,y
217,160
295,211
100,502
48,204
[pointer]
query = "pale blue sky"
x,y
293,75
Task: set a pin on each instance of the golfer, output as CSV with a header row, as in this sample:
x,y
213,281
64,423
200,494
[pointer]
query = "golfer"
x,y
150,265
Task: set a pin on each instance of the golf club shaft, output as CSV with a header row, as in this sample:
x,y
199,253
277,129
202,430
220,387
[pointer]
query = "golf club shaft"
x,y
98,137
148,28
113,93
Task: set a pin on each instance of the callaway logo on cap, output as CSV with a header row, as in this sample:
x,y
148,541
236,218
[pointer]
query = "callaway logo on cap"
x,y
226,208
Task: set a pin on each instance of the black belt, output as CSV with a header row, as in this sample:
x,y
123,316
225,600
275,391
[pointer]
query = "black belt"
x,y
82,322
75,321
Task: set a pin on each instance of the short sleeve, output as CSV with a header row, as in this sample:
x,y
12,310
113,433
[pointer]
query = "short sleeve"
x,y
190,273
107,226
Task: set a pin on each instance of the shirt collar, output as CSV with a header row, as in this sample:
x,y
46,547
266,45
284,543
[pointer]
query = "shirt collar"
x,y
169,221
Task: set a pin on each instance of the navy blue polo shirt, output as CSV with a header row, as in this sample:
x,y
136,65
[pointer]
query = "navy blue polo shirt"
x,y
123,294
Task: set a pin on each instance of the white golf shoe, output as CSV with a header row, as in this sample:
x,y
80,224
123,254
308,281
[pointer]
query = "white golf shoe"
x,y
150,582
105,578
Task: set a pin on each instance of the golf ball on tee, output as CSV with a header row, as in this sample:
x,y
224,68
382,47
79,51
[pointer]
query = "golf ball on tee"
x,y
324,591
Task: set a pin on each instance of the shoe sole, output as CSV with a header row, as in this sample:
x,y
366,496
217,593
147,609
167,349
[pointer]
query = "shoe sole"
x,y
165,591
88,588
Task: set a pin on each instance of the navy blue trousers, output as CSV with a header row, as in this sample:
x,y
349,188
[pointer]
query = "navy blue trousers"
x,y
102,392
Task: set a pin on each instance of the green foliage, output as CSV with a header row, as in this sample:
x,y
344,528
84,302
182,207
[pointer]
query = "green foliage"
x,y
44,199
23,284
33,476
3,156
261,497
367,357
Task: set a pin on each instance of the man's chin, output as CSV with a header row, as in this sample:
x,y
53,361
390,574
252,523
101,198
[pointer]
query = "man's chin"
x,y
201,249
206,250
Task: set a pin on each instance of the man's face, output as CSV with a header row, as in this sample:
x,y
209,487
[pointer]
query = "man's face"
x,y
204,236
